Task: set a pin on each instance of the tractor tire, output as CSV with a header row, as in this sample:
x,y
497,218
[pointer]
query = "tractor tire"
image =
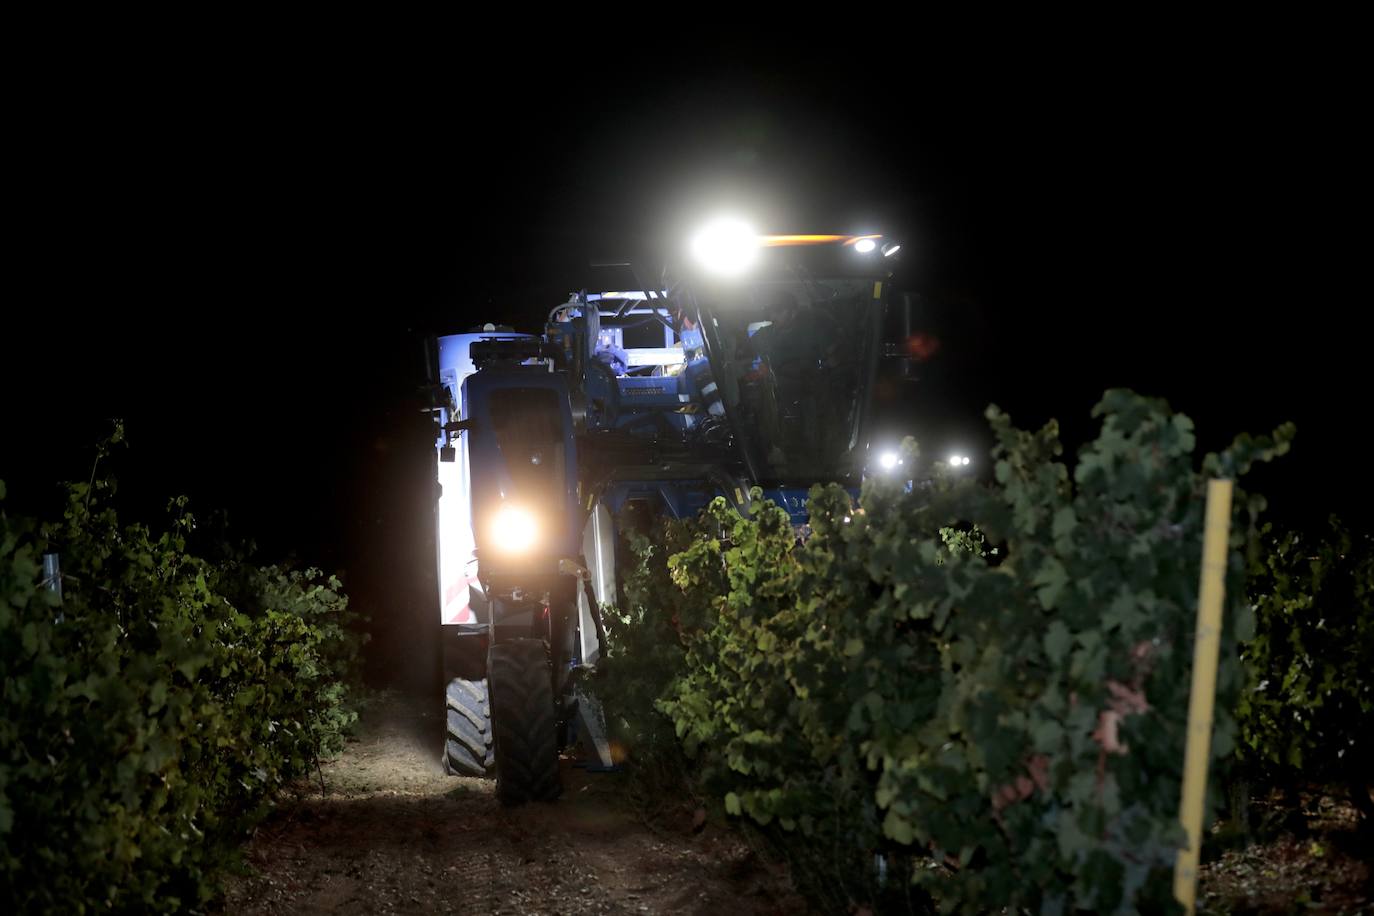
x,y
524,722
468,746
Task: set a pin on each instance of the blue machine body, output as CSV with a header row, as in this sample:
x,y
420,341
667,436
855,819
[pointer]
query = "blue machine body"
x,y
643,397
515,396
626,407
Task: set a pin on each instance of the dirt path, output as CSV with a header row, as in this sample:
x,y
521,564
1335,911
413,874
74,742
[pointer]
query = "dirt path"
x,y
393,834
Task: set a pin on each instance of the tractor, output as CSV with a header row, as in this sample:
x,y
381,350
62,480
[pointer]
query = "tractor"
x,y
751,366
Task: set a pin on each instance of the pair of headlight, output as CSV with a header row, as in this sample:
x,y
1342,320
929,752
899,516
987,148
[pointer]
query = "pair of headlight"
x,y
890,461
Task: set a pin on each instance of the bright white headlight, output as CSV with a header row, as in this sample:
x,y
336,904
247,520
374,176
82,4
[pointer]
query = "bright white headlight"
x,y
889,460
514,530
864,246
726,247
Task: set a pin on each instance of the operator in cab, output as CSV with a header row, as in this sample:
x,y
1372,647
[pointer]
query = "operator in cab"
x,y
797,348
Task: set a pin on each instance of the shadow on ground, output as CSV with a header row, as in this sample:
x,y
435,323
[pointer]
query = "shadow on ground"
x,y
393,834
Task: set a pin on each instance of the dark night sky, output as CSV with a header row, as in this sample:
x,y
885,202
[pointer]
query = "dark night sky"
x,y
242,266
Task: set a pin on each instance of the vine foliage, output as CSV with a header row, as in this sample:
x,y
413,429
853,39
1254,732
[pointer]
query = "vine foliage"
x,y
146,720
962,696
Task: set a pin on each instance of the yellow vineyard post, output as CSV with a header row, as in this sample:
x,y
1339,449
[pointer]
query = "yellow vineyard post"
x,y
1202,700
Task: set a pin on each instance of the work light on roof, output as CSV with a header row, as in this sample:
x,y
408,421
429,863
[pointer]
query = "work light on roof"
x,y
726,247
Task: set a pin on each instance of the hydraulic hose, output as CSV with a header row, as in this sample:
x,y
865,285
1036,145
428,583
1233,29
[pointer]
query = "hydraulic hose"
x,y
595,607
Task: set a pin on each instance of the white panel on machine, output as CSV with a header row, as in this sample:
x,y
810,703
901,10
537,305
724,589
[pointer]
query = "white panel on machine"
x,y
460,597
598,549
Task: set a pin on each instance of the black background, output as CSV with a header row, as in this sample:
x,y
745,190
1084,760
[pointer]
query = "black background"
x,y
240,258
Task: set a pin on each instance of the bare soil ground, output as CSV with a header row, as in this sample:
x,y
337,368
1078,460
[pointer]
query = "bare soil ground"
x,y
392,833
1323,867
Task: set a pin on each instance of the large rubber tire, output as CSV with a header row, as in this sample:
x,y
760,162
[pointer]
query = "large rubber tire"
x,y
524,721
468,745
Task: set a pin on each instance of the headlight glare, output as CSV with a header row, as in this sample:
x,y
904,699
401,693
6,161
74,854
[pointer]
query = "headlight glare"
x,y
726,247
514,530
